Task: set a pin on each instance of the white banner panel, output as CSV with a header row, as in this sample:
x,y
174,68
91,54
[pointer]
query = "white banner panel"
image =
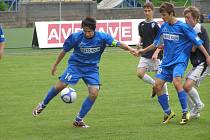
x,y
53,34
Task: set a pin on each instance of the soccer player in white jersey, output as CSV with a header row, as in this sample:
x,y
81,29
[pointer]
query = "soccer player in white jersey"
x,y
2,40
198,62
149,61
88,46
178,38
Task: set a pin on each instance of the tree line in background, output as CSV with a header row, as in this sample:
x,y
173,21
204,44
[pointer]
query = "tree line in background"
x,y
3,6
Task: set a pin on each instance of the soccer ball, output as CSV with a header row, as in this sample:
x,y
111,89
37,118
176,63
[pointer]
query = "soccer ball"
x,y
68,95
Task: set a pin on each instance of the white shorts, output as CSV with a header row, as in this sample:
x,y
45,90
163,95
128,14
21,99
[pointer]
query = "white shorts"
x,y
149,64
198,74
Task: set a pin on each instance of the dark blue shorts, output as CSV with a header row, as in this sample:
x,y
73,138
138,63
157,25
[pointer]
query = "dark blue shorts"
x,y
73,73
168,73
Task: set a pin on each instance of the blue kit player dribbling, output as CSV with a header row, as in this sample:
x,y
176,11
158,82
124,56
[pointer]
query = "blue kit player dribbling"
x,y
88,46
178,39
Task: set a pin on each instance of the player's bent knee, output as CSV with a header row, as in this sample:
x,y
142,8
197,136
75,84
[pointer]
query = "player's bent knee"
x,y
93,91
93,96
187,87
60,86
158,88
140,74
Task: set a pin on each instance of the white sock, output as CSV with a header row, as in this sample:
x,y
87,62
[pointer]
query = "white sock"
x,y
148,79
193,93
165,88
190,102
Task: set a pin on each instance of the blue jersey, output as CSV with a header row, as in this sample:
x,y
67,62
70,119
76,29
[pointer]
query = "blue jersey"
x,y
87,51
178,40
2,39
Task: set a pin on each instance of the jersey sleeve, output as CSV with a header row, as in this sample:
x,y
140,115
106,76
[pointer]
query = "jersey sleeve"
x,y
69,43
139,29
109,40
156,28
140,33
205,39
190,33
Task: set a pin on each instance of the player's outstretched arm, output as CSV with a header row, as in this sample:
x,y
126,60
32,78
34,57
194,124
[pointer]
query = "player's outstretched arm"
x,y
203,50
58,60
127,48
150,47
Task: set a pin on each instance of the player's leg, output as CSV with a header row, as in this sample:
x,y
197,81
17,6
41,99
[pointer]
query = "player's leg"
x,y
163,100
161,77
91,78
86,106
178,73
190,103
145,77
177,81
143,66
70,76
187,88
193,93
156,67
50,95
165,89
193,77
182,95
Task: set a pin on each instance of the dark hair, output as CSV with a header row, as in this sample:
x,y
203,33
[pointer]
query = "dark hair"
x,y
195,12
148,5
167,7
89,22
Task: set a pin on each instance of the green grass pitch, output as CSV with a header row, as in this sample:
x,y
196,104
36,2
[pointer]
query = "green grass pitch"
x,y
123,110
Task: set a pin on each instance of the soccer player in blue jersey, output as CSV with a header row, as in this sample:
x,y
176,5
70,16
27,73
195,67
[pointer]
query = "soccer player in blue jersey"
x,y
2,40
178,39
88,46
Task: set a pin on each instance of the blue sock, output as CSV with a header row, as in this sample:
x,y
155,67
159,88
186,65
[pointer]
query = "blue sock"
x,y
163,100
51,94
86,106
183,100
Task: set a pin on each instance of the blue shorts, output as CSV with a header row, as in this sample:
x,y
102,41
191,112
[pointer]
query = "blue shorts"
x,y
168,73
73,73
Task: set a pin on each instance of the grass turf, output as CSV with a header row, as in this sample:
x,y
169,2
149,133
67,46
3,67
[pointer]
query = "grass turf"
x,y
123,111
